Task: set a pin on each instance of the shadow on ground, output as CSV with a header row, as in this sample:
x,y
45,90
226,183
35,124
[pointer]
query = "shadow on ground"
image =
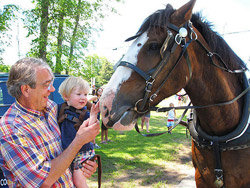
x,y
163,175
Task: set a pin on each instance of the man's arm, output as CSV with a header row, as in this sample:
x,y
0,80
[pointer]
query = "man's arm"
x,y
60,164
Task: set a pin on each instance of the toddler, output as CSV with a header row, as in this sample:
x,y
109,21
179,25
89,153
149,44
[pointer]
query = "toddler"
x,y
74,90
171,117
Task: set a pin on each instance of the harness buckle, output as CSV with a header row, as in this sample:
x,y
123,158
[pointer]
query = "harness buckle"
x,y
149,84
218,172
152,97
178,39
165,44
190,25
210,54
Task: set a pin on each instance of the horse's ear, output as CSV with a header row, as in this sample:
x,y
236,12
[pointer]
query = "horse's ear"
x,y
183,14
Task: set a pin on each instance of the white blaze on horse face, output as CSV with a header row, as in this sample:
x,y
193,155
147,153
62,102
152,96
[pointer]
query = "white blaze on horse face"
x,y
123,73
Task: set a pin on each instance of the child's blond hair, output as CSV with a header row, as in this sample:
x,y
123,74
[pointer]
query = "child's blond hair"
x,y
171,104
70,83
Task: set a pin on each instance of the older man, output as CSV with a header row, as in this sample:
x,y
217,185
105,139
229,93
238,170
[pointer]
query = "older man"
x,y
30,152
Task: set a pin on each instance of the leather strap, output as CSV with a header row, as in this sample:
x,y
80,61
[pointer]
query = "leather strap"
x,y
77,121
136,69
99,168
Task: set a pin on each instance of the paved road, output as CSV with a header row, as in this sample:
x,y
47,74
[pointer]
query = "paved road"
x,y
189,181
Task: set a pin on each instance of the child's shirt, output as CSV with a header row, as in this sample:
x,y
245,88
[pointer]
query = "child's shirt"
x,y
67,128
171,115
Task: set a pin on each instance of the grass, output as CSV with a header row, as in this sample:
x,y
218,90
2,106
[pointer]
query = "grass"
x,y
132,160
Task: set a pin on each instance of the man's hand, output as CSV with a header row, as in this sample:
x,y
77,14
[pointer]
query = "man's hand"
x,y
89,168
87,133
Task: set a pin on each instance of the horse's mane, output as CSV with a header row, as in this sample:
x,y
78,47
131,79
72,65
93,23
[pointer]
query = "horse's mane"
x,y
158,19
216,43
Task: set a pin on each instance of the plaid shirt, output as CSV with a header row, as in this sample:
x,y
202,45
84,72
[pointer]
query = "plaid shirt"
x,y
29,141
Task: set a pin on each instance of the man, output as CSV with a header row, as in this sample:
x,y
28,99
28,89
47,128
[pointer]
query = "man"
x,y
30,152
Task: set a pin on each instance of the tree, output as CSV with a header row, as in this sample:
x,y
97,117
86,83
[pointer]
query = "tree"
x,y
7,15
105,73
65,30
4,68
61,15
90,68
37,22
43,39
74,37
95,67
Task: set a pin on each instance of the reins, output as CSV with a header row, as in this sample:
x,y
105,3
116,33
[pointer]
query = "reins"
x,y
186,108
165,109
161,133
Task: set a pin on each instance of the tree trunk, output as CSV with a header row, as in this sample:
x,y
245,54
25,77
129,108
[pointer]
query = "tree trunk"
x,y
58,68
44,29
73,38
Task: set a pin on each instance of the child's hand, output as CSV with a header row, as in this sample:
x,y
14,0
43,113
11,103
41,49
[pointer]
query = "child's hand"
x,y
95,109
94,113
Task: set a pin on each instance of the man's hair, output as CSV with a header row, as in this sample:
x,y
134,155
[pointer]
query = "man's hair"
x,y
23,72
70,83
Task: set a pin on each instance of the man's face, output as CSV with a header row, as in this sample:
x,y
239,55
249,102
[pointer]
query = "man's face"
x,y
39,96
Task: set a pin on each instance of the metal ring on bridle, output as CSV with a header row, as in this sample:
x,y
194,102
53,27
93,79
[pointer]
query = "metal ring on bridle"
x,y
136,109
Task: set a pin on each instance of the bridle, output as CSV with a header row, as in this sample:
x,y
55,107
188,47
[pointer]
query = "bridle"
x,y
169,46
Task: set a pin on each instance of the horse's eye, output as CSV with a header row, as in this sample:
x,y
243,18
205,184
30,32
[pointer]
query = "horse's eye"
x,y
153,47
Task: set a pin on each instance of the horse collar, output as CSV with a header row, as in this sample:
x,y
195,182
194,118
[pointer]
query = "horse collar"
x,y
232,138
238,139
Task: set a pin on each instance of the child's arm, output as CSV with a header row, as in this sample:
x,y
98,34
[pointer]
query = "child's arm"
x,y
93,113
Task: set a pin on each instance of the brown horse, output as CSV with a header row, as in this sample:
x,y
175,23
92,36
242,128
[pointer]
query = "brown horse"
x,y
175,49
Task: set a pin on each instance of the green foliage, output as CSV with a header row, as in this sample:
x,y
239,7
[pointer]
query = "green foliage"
x,y
4,68
105,73
91,66
6,16
94,66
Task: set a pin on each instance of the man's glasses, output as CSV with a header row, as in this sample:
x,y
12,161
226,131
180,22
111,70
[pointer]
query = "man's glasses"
x,y
51,84
48,85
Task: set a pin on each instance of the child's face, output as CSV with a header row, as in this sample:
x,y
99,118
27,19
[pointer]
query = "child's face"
x,y
77,98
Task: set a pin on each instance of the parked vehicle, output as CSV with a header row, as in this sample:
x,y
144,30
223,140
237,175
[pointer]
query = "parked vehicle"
x,y
6,100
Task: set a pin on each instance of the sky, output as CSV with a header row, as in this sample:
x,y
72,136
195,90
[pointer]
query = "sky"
x,y
229,17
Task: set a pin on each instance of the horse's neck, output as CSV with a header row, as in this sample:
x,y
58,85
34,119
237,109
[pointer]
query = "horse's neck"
x,y
211,88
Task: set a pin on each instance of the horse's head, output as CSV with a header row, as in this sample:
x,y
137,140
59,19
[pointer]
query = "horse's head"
x,y
150,70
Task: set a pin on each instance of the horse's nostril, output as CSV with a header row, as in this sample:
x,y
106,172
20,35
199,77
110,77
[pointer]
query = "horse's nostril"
x,y
107,113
